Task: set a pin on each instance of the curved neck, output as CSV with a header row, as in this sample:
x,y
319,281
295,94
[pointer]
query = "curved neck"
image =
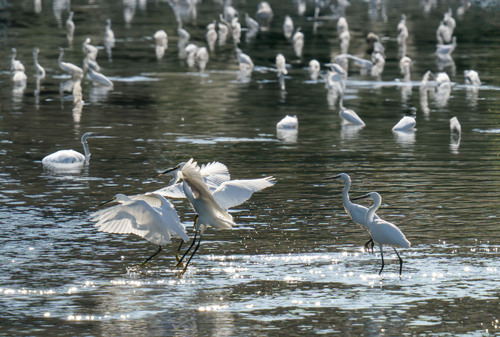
x,y
371,211
86,149
61,54
345,192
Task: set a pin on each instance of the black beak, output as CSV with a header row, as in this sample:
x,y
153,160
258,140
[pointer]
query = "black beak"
x,y
361,197
106,202
332,177
169,170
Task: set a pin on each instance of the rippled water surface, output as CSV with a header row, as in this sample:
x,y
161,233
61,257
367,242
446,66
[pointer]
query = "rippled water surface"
x,y
294,265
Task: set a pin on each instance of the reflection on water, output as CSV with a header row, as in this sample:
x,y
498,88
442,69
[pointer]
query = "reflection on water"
x,y
294,263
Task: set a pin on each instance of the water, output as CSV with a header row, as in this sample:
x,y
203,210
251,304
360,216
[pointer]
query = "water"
x,y
294,265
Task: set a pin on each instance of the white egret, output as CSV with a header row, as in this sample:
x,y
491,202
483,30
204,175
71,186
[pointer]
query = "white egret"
x,y
201,57
19,79
245,62
70,28
211,36
70,68
455,127
252,28
149,216
214,174
109,39
288,122
363,64
281,70
161,43
342,25
89,50
446,27
443,51
406,124
343,34
402,34
40,71
314,69
191,50
298,43
288,27
404,67
264,15
182,42
349,116
471,77
355,211
98,78
69,159
15,65
374,44
383,232
223,32
236,30
211,207
378,61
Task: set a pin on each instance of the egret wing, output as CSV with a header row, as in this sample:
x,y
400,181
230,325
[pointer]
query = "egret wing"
x,y
172,218
214,174
235,192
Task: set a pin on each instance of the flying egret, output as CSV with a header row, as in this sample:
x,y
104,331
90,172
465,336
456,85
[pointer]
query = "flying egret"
x,y
406,124
288,122
349,116
355,211
69,159
211,207
214,174
383,232
149,216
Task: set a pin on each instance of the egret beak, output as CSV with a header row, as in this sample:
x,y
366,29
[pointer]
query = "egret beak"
x,y
332,177
361,197
169,170
106,202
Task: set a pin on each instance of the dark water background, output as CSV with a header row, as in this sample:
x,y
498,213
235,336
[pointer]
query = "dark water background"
x,y
294,265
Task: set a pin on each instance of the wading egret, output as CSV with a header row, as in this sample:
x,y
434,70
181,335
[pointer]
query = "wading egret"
x,y
406,124
245,62
264,15
314,69
355,211
288,122
288,27
298,43
349,116
161,43
149,216
252,28
404,67
70,28
383,232
69,159
109,39
211,207
40,71
211,36
15,65
471,77
455,127
70,68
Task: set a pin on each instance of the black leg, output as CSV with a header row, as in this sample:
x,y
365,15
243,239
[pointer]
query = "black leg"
x,y
179,261
189,260
177,252
368,243
382,256
400,261
146,261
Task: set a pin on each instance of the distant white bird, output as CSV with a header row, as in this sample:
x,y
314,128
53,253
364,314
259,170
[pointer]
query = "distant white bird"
x,y
349,116
444,51
343,34
314,69
446,27
161,43
70,28
149,216
252,28
288,27
182,42
40,71
245,62
355,211
264,15
281,70
402,34
236,31
455,127
406,124
223,32
98,78
89,50
342,25
201,58
404,67
15,65
383,232
69,159
378,61
288,122
70,68
472,77
298,43
191,50
211,207
211,36
109,39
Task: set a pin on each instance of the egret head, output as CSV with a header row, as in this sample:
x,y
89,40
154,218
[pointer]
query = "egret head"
x,y
344,176
372,195
175,171
118,198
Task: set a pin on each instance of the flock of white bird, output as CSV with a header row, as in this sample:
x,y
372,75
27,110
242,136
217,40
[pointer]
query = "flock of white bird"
x,y
208,188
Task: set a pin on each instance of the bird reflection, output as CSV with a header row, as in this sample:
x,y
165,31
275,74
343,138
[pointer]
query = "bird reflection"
x,y
455,134
58,7
350,131
129,7
404,137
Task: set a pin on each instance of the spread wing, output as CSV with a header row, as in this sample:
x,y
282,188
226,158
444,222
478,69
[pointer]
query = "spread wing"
x,y
235,192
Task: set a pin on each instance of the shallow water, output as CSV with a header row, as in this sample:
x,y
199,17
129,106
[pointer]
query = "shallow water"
x,y
295,264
